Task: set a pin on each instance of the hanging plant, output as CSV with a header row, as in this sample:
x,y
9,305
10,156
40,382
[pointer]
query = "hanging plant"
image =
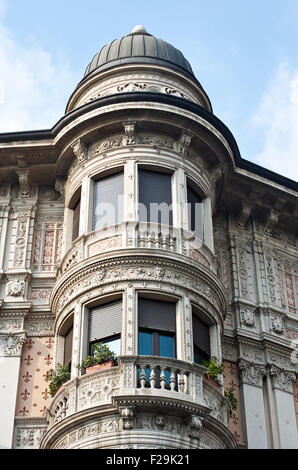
x,y
214,368
229,394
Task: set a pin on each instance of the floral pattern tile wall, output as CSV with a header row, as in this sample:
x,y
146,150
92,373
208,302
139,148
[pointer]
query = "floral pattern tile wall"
x,y
33,395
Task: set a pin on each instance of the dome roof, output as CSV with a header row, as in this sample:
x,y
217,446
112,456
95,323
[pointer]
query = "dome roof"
x,y
139,47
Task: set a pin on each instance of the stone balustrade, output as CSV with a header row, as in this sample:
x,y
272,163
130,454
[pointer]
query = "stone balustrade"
x,y
138,235
138,375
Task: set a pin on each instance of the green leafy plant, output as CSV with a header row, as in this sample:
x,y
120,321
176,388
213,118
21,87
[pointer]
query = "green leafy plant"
x,y
229,394
100,353
214,368
57,377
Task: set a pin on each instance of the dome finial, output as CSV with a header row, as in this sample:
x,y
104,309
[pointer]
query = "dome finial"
x,y
139,29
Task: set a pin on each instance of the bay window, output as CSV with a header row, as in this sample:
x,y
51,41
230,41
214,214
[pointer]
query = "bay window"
x,y
155,197
108,201
105,326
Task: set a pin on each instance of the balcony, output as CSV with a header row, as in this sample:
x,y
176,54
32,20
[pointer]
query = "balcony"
x,y
144,235
136,379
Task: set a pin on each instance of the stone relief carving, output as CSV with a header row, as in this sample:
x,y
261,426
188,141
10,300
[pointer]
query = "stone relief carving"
x,y
248,317
277,324
130,133
11,344
16,287
29,433
24,182
183,142
251,373
283,380
195,424
127,414
80,150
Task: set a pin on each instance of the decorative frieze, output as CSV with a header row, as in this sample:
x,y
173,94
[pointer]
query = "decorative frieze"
x,y
28,432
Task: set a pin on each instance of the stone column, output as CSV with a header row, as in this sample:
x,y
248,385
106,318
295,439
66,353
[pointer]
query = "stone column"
x,y
85,213
4,214
11,345
253,404
282,384
76,340
207,224
67,230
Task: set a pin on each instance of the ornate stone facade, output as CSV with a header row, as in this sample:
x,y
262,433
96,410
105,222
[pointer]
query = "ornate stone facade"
x,y
239,276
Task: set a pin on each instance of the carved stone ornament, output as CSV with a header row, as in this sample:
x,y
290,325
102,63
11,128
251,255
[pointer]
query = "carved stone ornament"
x,y
80,150
248,317
195,424
59,185
251,373
130,131
282,379
12,344
184,142
15,287
277,325
127,414
24,182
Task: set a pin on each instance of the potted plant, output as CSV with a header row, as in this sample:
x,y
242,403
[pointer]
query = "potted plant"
x,y
214,369
102,358
229,394
57,378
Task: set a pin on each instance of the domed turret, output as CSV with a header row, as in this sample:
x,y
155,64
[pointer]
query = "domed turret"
x,y
139,47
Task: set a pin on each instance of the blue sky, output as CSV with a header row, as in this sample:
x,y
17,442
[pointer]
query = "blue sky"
x,y
245,54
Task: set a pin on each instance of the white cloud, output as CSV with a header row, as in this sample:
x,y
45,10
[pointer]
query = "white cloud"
x,y
34,86
277,119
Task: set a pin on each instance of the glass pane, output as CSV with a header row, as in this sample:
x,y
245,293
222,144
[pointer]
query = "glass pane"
x,y
166,346
145,343
114,346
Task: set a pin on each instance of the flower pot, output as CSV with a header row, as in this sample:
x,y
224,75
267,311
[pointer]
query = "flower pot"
x,y
102,365
213,382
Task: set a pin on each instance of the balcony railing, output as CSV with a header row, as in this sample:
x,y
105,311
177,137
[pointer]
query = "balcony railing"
x,y
138,375
138,235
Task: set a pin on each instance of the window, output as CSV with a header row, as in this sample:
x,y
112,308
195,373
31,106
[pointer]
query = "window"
x,y
155,197
195,212
68,347
76,220
108,201
105,325
201,339
157,327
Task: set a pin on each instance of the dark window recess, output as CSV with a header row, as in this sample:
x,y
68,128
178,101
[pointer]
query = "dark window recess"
x,y
195,212
68,347
155,197
157,315
108,201
201,339
76,220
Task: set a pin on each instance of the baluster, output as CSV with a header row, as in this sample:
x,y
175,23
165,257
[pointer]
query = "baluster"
x,y
164,243
149,240
143,376
181,383
152,378
186,378
172,380
157,241
162,378
172,244
141,240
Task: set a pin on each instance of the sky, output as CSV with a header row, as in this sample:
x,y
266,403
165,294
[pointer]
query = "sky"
x,y
245,55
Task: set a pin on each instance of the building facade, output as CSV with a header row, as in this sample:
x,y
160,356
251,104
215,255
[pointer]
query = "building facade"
x,y
135,222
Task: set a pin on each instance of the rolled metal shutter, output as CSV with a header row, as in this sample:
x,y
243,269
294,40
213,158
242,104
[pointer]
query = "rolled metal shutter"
x,y
155,188
201,334
105,321
157,315
76,220
107,191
